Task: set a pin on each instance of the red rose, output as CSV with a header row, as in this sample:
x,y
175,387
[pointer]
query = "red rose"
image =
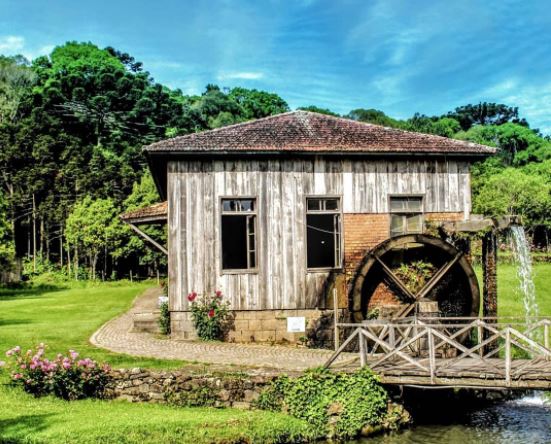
x,y
211,313
218,294
191,297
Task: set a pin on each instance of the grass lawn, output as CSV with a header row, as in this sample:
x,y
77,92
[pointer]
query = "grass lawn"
x,y
509,298
24,419
65,318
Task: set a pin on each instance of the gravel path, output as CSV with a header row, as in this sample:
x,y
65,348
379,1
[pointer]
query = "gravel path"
x,y
115,336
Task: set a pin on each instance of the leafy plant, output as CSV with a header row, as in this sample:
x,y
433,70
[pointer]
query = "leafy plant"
x,y
164,319
210,315
338,405
415,274
66,377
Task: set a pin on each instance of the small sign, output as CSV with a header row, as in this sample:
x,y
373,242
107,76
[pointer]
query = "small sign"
x,y
296,324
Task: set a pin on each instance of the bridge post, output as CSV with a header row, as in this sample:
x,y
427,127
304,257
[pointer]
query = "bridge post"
x,y
363,351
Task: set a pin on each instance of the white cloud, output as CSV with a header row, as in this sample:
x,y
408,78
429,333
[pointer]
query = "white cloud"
x,y
15,45
11,44
243,75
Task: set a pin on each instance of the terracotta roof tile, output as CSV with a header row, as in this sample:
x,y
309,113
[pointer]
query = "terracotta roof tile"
x,y
303,131
151,213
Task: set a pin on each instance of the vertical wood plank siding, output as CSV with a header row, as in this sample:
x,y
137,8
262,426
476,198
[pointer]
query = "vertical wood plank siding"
x,y
281,187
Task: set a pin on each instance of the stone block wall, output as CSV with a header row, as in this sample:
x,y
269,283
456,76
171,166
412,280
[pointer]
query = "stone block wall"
x,y
185,389
266,326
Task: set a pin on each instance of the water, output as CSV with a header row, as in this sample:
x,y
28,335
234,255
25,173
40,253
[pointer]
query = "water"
x,y
523,421
521,252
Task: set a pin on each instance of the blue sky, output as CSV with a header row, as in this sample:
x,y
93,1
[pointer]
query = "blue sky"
x,y
400,56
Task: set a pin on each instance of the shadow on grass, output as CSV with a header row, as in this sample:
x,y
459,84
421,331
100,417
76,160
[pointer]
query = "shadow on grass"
x,y
28,291
16,429
4,322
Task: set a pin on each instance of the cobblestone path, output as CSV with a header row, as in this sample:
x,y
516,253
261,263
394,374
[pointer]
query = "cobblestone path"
x,y
116,336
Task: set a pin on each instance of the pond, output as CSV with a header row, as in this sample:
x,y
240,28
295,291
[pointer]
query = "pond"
x,y
523,421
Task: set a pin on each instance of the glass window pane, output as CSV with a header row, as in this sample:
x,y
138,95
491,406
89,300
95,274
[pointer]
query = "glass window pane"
x,y
247,204
398,204
314,204
238,205
414,204
414,223
397,225
332,204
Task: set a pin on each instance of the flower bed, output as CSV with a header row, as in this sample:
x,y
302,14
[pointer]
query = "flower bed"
x,y
65,376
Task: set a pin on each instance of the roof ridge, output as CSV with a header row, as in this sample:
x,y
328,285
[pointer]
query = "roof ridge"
x,y
213,130
318,130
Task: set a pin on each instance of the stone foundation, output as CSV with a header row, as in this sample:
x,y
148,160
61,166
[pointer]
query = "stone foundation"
x,y
185,389
267,326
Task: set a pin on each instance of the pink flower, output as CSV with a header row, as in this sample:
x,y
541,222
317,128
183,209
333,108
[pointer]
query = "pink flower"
x,y
23,367
192,296
73,354
17,349
17,376
9,353
211,313
218,294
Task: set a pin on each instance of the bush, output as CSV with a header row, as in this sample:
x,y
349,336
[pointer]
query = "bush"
x,y
210,315
164,320
66,377
338,405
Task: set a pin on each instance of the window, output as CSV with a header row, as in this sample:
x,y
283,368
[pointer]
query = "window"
x,y
323,233
238,234
406,215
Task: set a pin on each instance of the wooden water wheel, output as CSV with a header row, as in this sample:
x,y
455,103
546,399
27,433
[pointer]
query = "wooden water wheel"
x,y
402,271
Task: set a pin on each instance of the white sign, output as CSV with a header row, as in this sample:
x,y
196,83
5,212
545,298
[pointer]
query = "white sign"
x,y
296,324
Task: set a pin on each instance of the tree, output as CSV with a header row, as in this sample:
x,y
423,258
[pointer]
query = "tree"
x,y
374,116
257,104
16,78
144,193
7,252
513,191
317,109
486,113
93,229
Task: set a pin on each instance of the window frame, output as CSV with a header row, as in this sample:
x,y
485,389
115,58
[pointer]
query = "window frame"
x,y
222,213
405,213
339,212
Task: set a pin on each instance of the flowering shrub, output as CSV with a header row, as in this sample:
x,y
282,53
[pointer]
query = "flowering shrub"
x,y
210,315
66,377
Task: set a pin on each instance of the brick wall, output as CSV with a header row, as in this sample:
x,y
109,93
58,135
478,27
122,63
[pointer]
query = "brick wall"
x,y
362,232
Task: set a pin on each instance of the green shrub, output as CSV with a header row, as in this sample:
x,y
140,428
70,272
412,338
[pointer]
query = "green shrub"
x,y
66,377
338,405
164,320
210,315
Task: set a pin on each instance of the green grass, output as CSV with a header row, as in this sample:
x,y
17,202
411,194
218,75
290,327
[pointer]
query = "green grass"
x,y
24,419
509,298
65,318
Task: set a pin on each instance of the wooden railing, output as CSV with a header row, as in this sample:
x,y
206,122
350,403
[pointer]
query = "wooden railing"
x,y
507,348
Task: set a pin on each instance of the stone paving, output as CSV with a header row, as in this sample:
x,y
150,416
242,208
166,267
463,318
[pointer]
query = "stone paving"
x,y
116,336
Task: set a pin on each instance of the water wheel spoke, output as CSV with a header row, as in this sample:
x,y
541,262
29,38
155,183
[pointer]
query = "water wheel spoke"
x,y
438,276
396,280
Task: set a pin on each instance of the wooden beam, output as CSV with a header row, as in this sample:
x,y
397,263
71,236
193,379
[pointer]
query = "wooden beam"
x,y
396,280
147,238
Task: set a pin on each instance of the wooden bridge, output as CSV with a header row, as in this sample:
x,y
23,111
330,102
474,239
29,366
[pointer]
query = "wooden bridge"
x,y
453,352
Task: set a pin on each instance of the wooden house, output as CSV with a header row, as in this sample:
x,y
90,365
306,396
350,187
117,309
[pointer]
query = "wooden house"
x,y
278,212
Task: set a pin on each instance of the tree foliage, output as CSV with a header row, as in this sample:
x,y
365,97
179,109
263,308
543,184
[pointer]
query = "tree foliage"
x,y
72,125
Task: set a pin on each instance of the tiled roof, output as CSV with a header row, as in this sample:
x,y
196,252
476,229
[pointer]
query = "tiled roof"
x,y
303,131
152,213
